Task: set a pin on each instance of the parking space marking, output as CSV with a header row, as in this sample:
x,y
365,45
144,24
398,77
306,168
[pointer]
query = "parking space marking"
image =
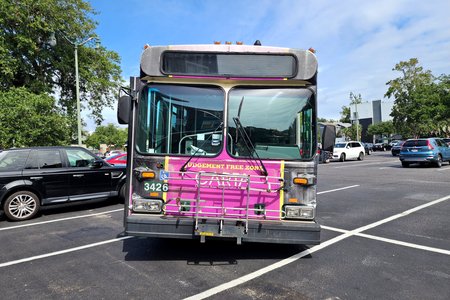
x,y
62,219
284,262
361,164
339,189
27,259
391,241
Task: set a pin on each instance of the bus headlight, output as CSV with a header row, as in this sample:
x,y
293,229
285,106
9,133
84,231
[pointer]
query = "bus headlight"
x,y
146,205
299,212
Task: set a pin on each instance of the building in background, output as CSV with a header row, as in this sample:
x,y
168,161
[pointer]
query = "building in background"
x,y
368,113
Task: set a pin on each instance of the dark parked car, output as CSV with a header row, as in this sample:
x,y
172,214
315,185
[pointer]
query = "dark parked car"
x,y
381,147
34,177
429,150
395,150
368,147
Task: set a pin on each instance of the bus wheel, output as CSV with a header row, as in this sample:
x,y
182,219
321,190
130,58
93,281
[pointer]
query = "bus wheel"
x,y
22,205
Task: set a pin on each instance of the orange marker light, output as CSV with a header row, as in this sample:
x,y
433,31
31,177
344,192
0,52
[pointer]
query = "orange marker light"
x,y
154,194
293,200
148,175
301,181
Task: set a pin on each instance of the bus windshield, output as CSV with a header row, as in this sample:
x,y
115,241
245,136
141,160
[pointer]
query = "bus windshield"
x,y
180,119
278,121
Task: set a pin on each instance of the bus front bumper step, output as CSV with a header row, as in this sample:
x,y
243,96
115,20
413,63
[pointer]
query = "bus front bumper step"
x,y
286,232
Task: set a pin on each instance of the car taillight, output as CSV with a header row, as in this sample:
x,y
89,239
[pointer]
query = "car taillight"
x,y
430,147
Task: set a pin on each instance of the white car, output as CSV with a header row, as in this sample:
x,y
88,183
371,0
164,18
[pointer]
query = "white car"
x,y
348,150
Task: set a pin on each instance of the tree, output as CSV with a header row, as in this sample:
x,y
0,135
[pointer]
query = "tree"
x,y
420,107
350,132
345,114
35,52
28,119
382,128
110,135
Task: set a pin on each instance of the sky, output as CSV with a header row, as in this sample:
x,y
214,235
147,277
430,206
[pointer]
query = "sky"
x,y
357,43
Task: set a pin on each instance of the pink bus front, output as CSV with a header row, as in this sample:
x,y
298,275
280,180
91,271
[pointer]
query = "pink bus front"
x,y
222,144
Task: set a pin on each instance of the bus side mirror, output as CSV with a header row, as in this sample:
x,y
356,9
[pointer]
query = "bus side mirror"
x,y
123,109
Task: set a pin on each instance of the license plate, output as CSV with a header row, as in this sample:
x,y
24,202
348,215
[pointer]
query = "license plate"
x,y
414,150
151,186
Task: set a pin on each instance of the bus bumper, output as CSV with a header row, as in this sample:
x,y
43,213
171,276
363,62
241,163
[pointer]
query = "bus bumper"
x,y
283,232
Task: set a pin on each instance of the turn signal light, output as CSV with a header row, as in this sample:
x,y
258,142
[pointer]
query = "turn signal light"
x,y
301,181
148,174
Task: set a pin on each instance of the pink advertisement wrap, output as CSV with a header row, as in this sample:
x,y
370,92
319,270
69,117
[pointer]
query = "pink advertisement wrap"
x,y
223,187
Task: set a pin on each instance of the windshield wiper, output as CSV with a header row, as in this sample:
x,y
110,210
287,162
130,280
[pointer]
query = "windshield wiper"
x,y
248,143
183,167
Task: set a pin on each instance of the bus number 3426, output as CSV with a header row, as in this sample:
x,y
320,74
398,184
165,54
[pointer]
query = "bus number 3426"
x,y
156,187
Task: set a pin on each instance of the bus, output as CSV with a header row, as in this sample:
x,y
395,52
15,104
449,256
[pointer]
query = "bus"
x,y
222,144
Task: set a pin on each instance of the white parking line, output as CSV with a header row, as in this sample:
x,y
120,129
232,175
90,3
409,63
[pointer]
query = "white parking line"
x,y
363,164
27,259
62,219
282,263
391,241
339,189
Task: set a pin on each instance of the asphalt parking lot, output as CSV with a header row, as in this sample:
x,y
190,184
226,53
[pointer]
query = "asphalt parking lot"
x,y
385,235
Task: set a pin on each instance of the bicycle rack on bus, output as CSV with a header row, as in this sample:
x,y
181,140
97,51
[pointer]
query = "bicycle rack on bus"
x,y
232,221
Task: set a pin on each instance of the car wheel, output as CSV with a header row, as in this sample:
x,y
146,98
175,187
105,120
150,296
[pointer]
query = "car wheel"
x,y
21,206
438,163
405,164
342,157
361,156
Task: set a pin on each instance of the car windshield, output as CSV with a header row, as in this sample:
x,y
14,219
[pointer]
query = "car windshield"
x,y
340,145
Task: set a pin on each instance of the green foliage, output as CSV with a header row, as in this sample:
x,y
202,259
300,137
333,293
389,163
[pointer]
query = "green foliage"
x,y
28,59
109,135
28,119
350,132
382,128
345,114
420,101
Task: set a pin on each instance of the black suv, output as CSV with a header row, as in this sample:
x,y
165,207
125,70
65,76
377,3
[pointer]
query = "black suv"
x,y
33,177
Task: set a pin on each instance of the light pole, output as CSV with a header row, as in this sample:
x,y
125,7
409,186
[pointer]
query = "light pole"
x,y
77,86
75,44
356,121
